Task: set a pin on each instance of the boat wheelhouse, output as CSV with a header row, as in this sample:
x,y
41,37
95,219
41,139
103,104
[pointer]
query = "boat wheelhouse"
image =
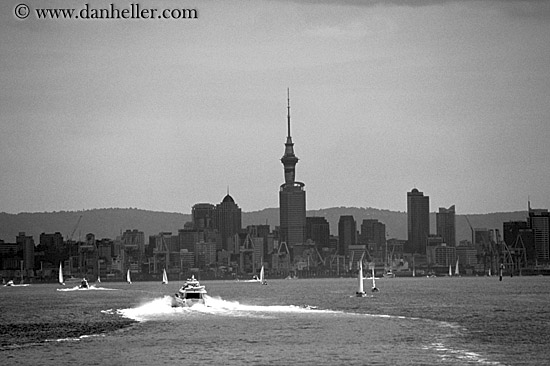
x,y
191,293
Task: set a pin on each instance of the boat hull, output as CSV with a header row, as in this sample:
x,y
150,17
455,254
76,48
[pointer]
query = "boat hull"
x,y
185,303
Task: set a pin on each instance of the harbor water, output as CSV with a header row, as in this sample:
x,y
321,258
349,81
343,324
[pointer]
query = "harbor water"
x,y
411,321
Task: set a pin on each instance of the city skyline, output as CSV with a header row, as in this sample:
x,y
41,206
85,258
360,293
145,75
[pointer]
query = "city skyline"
x,y
450,97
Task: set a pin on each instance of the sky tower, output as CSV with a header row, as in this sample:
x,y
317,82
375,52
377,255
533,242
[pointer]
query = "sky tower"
x,y
292,197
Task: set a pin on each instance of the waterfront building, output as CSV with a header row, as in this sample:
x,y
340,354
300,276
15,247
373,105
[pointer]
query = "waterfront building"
x,y
432,242
467,258
445,256
292,197
205,254
26,244
539,221
418,221
446,225
52,241
520,239
134,238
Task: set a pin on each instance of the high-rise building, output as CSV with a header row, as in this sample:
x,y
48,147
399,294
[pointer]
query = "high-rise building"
x,y
227,220
418,221
539,221
347,234
445,225
203,215
520,238
26,244
373,235
318,230
292,197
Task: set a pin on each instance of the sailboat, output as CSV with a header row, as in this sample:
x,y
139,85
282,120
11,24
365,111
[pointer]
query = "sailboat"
x,y
262,277
98,278
164,277
450,271
22,281
360,292
128,279
456,268
60,278
374,288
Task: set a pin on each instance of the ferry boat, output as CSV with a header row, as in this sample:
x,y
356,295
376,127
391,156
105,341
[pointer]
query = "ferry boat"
x,y
191,293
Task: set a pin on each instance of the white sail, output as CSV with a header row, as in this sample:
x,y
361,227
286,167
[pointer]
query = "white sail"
x,y
164,277
60,278
98,268
360,291
456,268
450,271
128,279
262,274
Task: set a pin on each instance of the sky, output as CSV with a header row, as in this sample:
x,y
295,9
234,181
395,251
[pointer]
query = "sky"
x,y
450,97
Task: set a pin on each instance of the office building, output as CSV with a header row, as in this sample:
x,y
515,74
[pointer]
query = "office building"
x,y
318,230
445,225
539,221
418,221
373,235
347,234
26,244
202,216
227,220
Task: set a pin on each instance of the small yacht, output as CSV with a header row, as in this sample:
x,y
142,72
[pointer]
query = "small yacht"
x,y
191,293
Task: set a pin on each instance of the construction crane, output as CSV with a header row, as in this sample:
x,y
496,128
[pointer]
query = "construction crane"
x,y
74,229
70,245
485,250
471,228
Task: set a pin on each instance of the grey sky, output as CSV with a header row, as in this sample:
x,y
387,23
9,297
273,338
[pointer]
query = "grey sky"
x,y
451,97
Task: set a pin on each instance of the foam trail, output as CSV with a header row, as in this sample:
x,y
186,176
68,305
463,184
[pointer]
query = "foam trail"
x,y
91,288
150,309
162,307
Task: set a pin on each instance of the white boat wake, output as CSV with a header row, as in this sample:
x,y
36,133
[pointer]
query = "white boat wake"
x,y
161,307
91,288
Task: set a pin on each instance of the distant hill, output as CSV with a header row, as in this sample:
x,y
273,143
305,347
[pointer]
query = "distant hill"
x,y
110,222
104,223
396,222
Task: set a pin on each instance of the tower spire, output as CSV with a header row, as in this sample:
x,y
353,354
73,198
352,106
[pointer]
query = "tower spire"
x,y
289,160
288,109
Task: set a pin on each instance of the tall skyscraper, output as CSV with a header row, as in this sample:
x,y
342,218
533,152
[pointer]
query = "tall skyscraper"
x,y
539,221
418,221
318,230
227,220
445,225
347,234
202,215
292,197
373,235
26,244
